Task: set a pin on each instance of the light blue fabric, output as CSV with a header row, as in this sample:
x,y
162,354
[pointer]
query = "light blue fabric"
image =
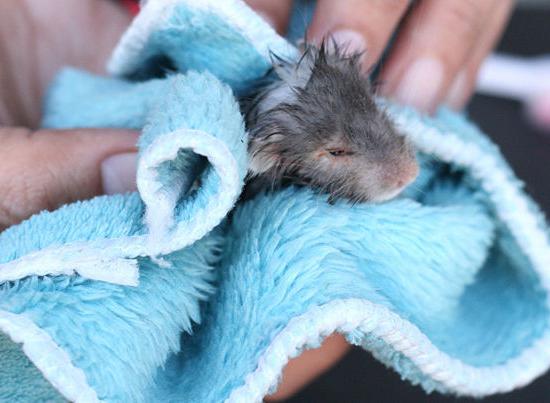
x,y
446,284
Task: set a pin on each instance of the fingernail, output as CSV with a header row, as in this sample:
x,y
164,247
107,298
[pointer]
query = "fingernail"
x,y
421,84
348,41
458,94
118,173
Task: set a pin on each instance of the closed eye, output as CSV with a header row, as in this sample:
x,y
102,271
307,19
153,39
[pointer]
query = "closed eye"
x,y
340,152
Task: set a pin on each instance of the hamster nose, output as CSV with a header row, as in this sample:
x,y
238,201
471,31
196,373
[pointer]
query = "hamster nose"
x,y
408,174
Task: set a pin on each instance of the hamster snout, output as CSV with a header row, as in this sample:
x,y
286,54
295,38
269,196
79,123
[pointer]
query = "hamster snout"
x,y
318,125
398,178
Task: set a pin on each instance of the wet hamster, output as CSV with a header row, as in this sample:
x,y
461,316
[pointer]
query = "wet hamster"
x,y
318,125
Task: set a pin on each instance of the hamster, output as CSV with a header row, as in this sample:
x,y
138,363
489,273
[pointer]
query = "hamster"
x,y
318,125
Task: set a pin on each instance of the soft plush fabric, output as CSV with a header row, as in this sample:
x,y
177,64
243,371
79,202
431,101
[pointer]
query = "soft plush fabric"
x,y
179,293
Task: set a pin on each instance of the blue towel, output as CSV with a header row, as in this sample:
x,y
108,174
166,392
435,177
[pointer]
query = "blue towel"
x,y
158,296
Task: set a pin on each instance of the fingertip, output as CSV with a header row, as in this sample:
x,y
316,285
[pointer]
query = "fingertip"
x,y
446,33
349,40
358,27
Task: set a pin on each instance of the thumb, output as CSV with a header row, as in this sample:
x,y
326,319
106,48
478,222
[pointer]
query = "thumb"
x,y
44,169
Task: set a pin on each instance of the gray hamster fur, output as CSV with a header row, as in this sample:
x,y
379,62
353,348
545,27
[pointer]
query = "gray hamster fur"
x,y
318,125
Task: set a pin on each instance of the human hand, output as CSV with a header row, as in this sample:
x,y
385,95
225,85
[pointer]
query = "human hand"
x,y
45,169
438,47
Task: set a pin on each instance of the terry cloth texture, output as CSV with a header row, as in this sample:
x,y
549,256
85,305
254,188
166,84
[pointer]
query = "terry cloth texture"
x,y
156,296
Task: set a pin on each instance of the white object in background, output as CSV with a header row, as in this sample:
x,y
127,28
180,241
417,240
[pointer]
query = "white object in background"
x,y
526,80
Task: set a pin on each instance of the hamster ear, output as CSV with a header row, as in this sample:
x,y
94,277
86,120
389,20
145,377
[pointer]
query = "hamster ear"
x,y
281,66
295,74
262,162
264,154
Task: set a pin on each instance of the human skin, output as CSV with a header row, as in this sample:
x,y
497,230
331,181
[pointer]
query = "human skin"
x,y
434,61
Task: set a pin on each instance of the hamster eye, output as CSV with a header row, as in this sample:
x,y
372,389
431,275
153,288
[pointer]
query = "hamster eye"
x,y
339,152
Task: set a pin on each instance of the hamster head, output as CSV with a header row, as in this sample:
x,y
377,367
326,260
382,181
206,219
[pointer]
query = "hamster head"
x,y
320,126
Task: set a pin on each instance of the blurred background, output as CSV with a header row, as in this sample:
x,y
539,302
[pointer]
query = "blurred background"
x,y
526,145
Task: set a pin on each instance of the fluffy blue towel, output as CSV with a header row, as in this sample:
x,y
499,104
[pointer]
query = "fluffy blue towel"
x,y
154,296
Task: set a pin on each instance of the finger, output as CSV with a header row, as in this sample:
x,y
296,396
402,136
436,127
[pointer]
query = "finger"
x,y
302,370
357,25
45,169
277,13
464,83
431,49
